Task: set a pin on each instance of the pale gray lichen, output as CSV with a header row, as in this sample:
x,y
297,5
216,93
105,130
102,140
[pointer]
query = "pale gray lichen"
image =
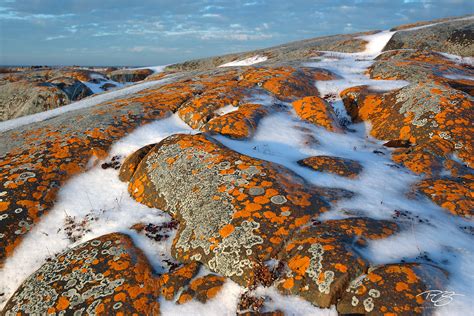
x,y
203,214
420,100
278,199
38,293
355,301
368,304
228,258
315,269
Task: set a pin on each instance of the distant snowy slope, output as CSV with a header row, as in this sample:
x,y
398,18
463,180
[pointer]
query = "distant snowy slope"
x,y
246,62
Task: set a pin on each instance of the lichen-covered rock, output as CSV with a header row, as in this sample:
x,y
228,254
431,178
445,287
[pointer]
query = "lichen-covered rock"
x,y
174,282
202,289
104,275
394,289
23,98
454,37
454,194
130,75
74,89
321,260
38,158
198,111
247,207
417,66
435,119
316,111
130,163
340,166
238,124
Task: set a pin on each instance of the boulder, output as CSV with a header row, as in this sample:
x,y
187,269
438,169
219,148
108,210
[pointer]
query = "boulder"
x,y
394,289
321,258
247,207
99,276
317,111
129,75
74,89
454,37
239,124
24,98
342,167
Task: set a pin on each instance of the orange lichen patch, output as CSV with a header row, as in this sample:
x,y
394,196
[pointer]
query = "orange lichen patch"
x,y
416,66
89,271
317,111
397,289
175,281
131,162
198,111
321,261
238,124
202,289
339,166
286,83
246,204
454,194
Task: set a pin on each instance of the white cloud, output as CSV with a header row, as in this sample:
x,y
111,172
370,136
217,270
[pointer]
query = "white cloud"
x,y
51,38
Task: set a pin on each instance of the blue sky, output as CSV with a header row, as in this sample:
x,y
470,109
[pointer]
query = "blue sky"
x,y
155,32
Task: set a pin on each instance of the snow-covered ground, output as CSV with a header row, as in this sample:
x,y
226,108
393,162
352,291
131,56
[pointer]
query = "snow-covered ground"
x,y
281,138
155,69
101,80
246,62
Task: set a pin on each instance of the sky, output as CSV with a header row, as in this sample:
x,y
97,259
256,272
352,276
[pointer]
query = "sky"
x,y
158,32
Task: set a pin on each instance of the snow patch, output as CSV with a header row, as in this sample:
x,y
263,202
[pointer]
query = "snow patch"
x,y
246,62
376,42
155,69
226,109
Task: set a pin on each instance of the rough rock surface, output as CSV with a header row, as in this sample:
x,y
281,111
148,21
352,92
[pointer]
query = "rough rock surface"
x,y
246,219
40,157
317,111
23,98
395,289
455,37
96,277
248,206
239,124
339,166
202,289
321,258
432,115
130,75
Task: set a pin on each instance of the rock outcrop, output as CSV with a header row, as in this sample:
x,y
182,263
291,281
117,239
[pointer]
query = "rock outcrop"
x,y
230,215
97,277
130,75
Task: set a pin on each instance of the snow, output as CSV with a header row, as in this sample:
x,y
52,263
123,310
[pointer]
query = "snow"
x,y
246,62
155,69
96,87
459,59
85,103
376,42
224,304
226,109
